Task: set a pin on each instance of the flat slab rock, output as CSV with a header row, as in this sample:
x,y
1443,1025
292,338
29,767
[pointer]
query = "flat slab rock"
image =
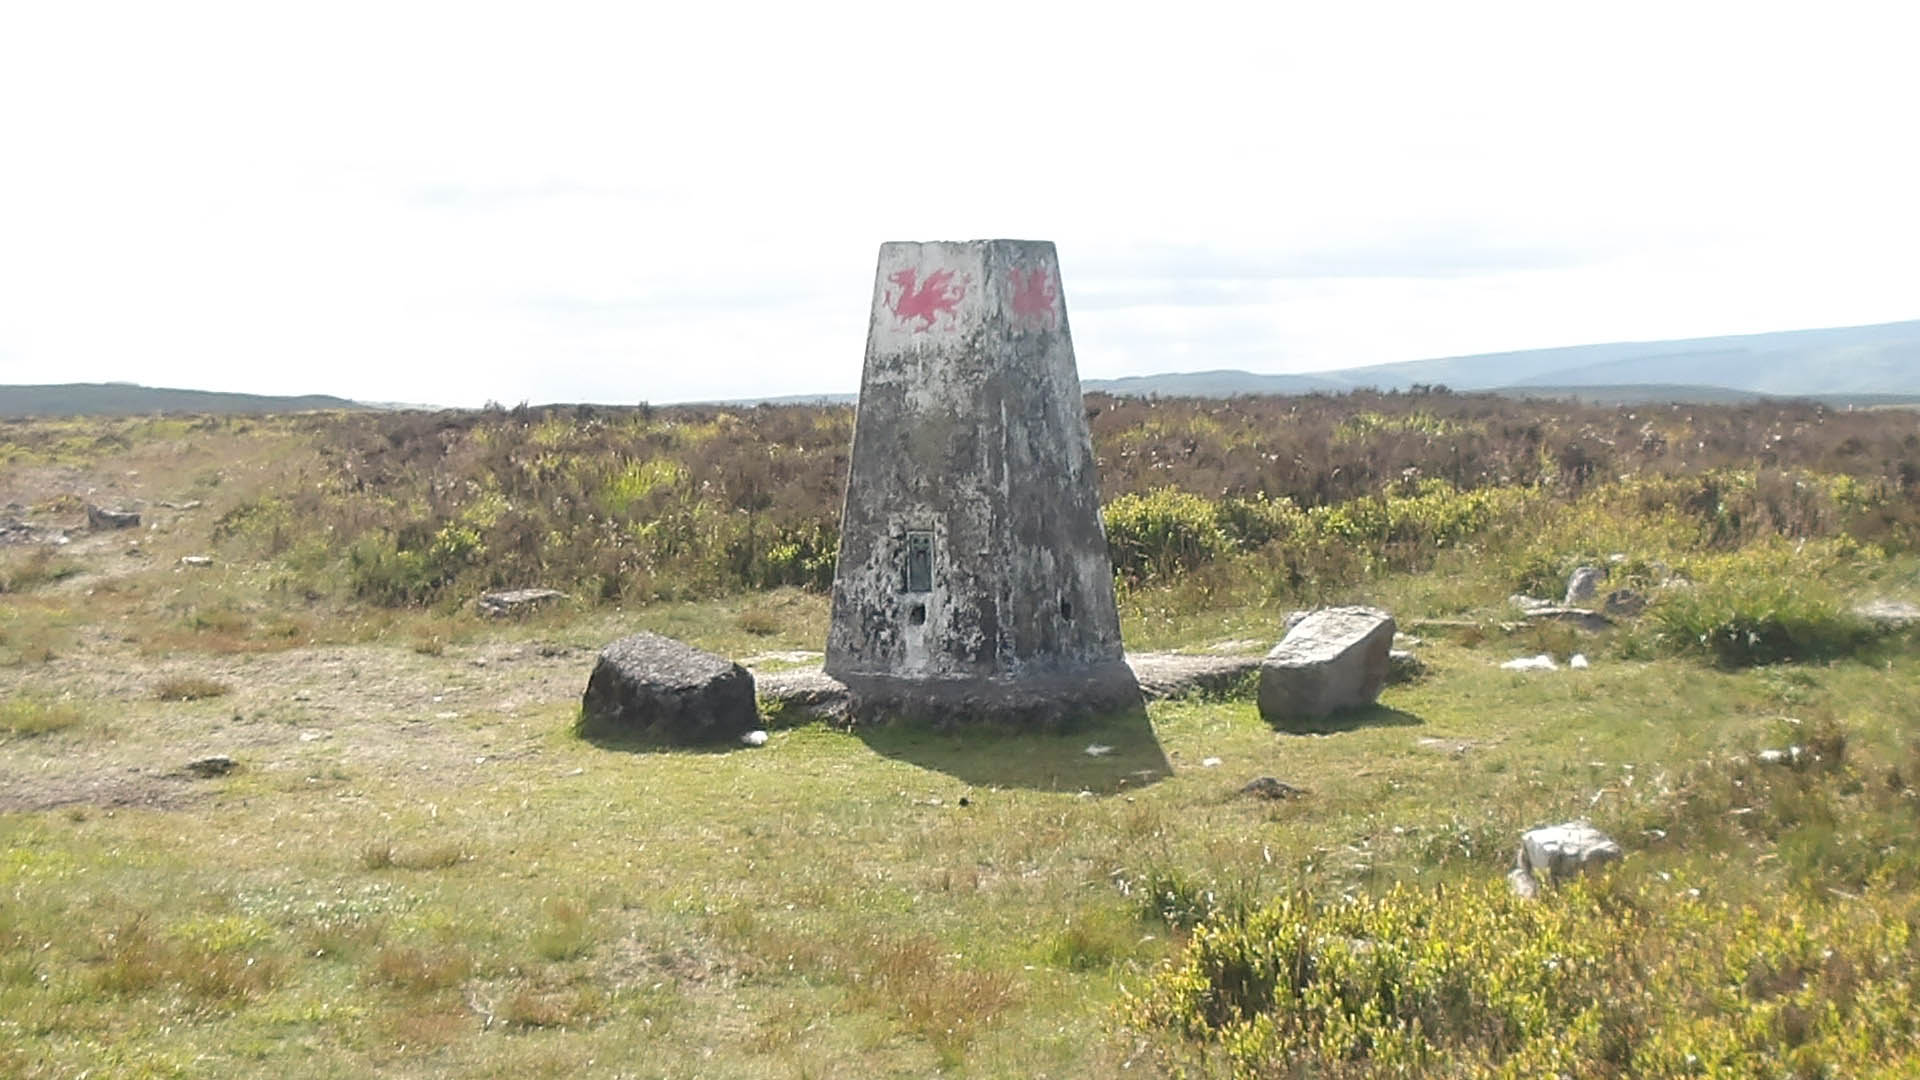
x,y
652,685
515,601
1546,610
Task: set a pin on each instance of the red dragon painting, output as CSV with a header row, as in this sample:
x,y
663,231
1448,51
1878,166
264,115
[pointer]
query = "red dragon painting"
x,y
938,294
1034,296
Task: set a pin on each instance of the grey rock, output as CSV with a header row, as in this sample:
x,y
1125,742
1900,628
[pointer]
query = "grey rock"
x,y
1624,603
1792,755
101,518
209,767
1559,852
1404,667
1528,603
20,532
515,601
805,691
197,561
1523,883
1172,675
1584,584
1266,787
1293,619
1336,658
648,684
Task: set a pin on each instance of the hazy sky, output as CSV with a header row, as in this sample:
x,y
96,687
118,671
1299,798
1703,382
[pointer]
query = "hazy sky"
x,y
559,202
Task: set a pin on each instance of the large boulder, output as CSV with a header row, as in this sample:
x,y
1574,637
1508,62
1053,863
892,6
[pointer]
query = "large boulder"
x,y
653,685
1335,658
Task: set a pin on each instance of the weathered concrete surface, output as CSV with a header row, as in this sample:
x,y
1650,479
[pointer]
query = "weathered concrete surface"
x,y
653,685
1335,658
971,547
812,692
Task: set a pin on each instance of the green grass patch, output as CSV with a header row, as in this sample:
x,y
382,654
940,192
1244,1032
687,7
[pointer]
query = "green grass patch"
x,y
23,717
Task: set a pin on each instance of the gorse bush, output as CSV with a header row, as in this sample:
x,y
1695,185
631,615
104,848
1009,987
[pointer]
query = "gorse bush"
x,y
1162,532
1607,979
1398,982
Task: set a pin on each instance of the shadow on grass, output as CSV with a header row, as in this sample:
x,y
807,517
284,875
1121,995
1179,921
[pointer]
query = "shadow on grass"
x,y
1350,720
988,756
651,741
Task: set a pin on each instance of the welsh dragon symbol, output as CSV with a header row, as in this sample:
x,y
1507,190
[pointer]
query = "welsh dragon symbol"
x,y
938,294
1033,297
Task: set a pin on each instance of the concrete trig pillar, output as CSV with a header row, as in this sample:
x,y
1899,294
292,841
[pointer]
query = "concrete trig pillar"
x,y
973,582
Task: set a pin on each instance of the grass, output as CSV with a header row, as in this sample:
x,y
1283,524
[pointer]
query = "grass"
x,y
22,717
37,568
827,905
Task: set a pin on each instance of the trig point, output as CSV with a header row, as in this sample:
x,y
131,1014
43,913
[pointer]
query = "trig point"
x,y
973,582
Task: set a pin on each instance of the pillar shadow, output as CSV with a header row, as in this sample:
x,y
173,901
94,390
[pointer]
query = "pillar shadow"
x,y
1126,754
1350,720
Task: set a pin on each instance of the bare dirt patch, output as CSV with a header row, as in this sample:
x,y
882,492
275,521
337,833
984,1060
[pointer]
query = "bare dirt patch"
x,y
358,712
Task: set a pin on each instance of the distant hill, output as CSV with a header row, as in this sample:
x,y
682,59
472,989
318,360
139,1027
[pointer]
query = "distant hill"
x,y
1215,384
126,399
1872,365
1697,395
1882,359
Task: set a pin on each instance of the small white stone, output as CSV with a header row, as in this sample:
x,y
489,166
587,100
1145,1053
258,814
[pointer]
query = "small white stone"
x,y
754,738
1099,750
1579,661
1210,762
1543,662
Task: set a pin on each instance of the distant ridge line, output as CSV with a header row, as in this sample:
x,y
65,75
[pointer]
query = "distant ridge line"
x,y
56,400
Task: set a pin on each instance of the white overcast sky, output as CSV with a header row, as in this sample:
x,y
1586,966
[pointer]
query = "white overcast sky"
x,y
648,201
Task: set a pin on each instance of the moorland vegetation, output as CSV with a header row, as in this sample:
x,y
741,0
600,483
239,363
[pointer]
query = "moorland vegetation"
x,y
417,866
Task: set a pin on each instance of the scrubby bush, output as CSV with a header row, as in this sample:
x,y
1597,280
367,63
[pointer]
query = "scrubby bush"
x,y
1608,979
1162,533
1317,492
1748,621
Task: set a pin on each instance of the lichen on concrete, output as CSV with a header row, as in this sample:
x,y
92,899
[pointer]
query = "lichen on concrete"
x,y
971,450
